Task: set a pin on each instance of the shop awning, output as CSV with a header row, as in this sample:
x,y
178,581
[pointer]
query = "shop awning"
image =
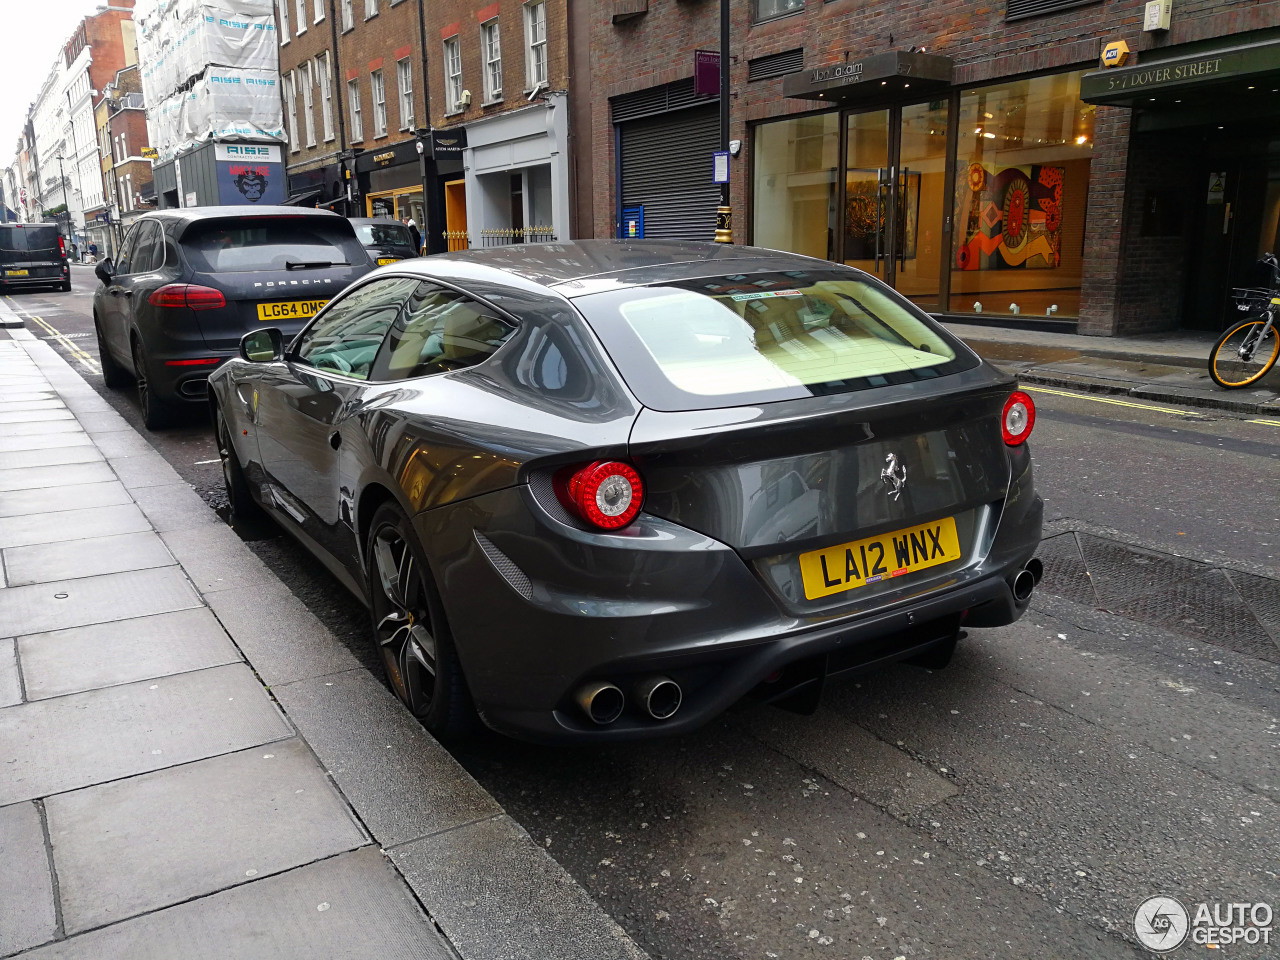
x,y
1202,73
872,77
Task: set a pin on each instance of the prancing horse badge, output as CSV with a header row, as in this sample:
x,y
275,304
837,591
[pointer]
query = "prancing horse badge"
x,y
894,476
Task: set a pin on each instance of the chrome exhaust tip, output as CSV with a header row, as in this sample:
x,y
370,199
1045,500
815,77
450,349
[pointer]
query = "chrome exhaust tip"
x,y
660,696
1023,585
602,702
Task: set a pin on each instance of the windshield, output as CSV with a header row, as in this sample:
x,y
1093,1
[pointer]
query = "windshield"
x,y
261,244
739,339
20,239
384,234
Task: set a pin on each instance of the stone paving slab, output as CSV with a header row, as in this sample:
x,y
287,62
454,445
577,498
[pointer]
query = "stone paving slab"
x,y
124,445
135,845
67,426
60,525
102,423
42,607
144,470
124,651
49,457
28,478
24,881
19,503
50,746
497,895
10,684
44,441
11,406
406,784
214,557
350,907
177,506
85,558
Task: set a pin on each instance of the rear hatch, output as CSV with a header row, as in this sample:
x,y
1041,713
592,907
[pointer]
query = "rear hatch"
x,y
30,251
845,445
274,271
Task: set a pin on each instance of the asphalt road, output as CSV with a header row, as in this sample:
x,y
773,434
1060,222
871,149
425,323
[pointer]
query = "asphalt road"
x,y
1019,804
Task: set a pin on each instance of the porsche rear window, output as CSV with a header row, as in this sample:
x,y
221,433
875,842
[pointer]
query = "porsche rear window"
x,y
747,339
258,244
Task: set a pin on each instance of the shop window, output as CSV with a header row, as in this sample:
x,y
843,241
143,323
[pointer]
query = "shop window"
x,y
404,81
378,91
453,75
492,47
535,38
795,163
1022,184
357,121
769,9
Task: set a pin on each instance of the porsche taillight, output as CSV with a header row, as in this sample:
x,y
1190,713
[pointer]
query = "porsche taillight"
x,y
187,295
607,494
1017,419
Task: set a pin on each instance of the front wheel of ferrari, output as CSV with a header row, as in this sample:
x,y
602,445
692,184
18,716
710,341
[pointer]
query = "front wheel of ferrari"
x,y
409,628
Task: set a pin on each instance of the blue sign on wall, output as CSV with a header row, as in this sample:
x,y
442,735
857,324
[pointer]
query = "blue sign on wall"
x,y
632,223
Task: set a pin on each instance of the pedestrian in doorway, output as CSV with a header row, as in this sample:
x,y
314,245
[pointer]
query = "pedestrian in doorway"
x,y
75,250
93,252
415,235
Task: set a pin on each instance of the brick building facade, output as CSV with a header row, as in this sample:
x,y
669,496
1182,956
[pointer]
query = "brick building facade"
x,y
960,150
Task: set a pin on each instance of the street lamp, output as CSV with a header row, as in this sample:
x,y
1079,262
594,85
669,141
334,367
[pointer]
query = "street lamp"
x,y
724,215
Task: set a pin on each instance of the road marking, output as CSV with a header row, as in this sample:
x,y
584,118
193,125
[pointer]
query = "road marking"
x,y
1269,423
1118,403
85,359
201,463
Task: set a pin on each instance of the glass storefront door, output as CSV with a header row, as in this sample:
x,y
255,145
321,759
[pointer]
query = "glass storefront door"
x,y
894,197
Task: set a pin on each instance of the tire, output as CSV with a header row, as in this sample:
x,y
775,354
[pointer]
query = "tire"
x,y
115,376
1226,366
410,632
243,511
156,413
66,286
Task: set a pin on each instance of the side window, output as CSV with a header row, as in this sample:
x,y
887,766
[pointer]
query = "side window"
x,y
149,252
346,337
440,330
126,250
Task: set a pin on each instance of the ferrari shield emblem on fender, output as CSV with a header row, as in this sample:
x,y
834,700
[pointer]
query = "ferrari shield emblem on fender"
x,y
894,476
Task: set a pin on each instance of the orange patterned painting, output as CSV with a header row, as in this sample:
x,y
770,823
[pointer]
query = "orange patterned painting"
x,y
1009,218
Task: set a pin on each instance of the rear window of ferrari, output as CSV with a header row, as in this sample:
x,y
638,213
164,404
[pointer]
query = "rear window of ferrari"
x,y
260,244
731,340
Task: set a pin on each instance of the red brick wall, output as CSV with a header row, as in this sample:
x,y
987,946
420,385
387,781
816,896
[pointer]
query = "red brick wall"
x,y
317,38
383,37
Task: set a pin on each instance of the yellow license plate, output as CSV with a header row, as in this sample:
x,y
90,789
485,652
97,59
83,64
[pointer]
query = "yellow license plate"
x,y
16,273
849,565
383,261
290,309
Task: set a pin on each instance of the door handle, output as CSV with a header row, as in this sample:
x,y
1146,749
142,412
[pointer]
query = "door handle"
x,y
335,439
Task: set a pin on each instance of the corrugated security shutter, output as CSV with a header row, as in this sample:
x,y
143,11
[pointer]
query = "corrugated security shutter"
x,y
666,168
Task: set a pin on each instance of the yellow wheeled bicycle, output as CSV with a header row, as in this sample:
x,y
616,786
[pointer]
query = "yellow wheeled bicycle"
x,y
1245,353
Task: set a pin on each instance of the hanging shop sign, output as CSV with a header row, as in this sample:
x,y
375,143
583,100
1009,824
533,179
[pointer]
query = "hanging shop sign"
x,y
870,77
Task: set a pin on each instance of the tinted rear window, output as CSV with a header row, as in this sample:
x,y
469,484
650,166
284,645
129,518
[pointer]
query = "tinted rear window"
x,y
726,341
25,239
384,234
263,244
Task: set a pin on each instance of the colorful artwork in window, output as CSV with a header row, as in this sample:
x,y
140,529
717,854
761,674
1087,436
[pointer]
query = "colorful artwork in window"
x,y
1010,218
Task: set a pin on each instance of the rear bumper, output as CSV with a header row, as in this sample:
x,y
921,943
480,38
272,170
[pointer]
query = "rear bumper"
x,y
37,277
538,609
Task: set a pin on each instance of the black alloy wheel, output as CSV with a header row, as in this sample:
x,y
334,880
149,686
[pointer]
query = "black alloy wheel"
x,y
155,412
409,628
243,510
115,376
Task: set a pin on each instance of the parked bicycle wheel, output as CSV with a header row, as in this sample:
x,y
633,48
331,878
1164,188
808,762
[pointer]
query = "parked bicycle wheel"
x,y
1245,353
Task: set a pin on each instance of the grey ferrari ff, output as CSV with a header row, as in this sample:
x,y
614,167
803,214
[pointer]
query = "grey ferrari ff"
x,y
602,490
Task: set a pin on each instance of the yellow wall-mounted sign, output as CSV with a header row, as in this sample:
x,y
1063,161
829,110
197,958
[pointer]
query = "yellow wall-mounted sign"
x,y
150,153
1115,54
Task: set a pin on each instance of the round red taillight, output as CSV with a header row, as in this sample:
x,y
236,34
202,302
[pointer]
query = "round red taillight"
x,y
606,494
1017,419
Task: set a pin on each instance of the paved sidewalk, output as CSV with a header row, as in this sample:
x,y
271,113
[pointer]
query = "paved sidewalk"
x,y
1170,367
190,764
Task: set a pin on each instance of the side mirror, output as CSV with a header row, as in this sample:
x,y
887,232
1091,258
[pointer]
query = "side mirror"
x,y
262,346
104,269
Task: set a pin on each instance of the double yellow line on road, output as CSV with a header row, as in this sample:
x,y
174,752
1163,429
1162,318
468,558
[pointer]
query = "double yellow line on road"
x,y
1137,406
77,354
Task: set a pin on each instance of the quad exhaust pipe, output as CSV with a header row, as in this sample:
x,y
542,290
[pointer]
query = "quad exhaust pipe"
x,y
1027,578
603,702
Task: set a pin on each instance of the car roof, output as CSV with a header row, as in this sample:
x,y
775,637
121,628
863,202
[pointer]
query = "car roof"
x,y
196,214
376,220
619,262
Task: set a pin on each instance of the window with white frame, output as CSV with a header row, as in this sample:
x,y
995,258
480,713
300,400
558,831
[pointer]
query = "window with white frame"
x,y
283,7
353,99
378,91
370,8
535,38
319,10
291,105
301,27
491,47
452,75
124,146
348,15
308,102
404,81
326,94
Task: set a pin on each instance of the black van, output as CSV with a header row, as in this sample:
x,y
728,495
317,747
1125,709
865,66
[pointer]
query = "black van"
x,y
32,254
